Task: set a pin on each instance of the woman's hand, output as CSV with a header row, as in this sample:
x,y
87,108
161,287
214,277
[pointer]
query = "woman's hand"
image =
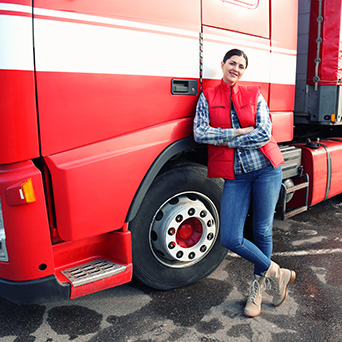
x,y
242,131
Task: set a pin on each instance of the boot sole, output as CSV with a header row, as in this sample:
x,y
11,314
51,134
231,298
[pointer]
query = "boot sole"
x,y
292,279
252,315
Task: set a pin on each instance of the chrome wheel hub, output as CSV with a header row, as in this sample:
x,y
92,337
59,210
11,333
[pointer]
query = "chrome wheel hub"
x,y
184,230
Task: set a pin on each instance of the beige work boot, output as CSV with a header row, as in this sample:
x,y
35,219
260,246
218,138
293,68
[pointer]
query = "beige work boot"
x,y
254,299
281,278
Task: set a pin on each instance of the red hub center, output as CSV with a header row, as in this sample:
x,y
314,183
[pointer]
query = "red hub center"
x,y
189,233
185,231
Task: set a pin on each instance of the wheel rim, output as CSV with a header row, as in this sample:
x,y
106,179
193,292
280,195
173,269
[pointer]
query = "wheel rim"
x,y
184,229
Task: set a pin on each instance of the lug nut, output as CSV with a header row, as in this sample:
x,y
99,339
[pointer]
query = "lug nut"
x,y
191,211
179,254
171,245
192,255
203,213
179,218
210,236
171,231
203,248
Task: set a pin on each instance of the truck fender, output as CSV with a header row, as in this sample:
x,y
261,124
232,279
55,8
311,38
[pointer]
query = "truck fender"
x,y
179,146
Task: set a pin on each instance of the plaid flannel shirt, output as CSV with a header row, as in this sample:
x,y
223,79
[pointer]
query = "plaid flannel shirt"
x,y
247,157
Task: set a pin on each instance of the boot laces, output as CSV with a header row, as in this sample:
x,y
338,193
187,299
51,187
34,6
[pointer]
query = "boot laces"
x,y
254,290
268,283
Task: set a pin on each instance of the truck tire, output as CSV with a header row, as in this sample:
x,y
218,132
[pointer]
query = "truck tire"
x,y
175,234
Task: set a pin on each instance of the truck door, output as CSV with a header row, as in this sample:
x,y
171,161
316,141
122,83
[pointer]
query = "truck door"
x,y
231,24
93,57
258,27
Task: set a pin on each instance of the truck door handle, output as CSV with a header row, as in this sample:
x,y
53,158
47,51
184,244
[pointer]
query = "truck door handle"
x,y
184,87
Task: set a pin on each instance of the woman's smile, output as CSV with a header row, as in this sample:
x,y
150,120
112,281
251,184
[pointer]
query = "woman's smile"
x,y
233,69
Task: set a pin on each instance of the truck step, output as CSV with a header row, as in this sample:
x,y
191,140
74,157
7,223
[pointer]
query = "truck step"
x,y
92,271
285,214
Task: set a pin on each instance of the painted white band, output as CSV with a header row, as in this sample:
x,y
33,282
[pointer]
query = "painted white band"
x,y
127,47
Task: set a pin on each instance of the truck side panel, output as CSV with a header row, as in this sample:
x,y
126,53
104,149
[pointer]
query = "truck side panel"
x,y
330,52
112,69
95,185
18,119
109,66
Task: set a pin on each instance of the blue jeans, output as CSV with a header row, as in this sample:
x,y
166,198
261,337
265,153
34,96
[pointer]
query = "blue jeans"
x,y
262,187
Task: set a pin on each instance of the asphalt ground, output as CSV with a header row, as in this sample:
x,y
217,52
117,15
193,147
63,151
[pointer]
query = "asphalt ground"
x,y
211,310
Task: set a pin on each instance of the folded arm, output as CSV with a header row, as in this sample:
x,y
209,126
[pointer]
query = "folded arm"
x,y
206,134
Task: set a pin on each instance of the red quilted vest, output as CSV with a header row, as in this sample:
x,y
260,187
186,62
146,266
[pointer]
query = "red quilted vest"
x,y
221,158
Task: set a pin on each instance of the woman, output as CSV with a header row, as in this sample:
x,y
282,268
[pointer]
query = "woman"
x,y
234,121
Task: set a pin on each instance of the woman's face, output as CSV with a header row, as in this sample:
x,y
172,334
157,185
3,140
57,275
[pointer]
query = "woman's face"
x,y
233,69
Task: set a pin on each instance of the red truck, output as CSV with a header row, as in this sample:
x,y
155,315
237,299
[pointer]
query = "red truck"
x,y
100,176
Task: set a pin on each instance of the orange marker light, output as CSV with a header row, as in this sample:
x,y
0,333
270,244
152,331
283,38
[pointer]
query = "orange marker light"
x,y
27,191
332,117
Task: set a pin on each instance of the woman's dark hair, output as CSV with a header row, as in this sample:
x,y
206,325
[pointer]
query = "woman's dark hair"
x,y
235,52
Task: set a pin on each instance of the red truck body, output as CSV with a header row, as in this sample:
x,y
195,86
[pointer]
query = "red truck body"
x,y
97,162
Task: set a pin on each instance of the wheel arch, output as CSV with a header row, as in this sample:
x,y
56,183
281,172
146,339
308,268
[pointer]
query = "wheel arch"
x,y
184,150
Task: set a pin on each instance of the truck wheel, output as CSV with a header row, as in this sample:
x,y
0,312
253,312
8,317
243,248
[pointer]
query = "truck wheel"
x,y
175,234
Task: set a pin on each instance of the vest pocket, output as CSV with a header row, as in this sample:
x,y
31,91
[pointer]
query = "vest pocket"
x,y
217,115
247,114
